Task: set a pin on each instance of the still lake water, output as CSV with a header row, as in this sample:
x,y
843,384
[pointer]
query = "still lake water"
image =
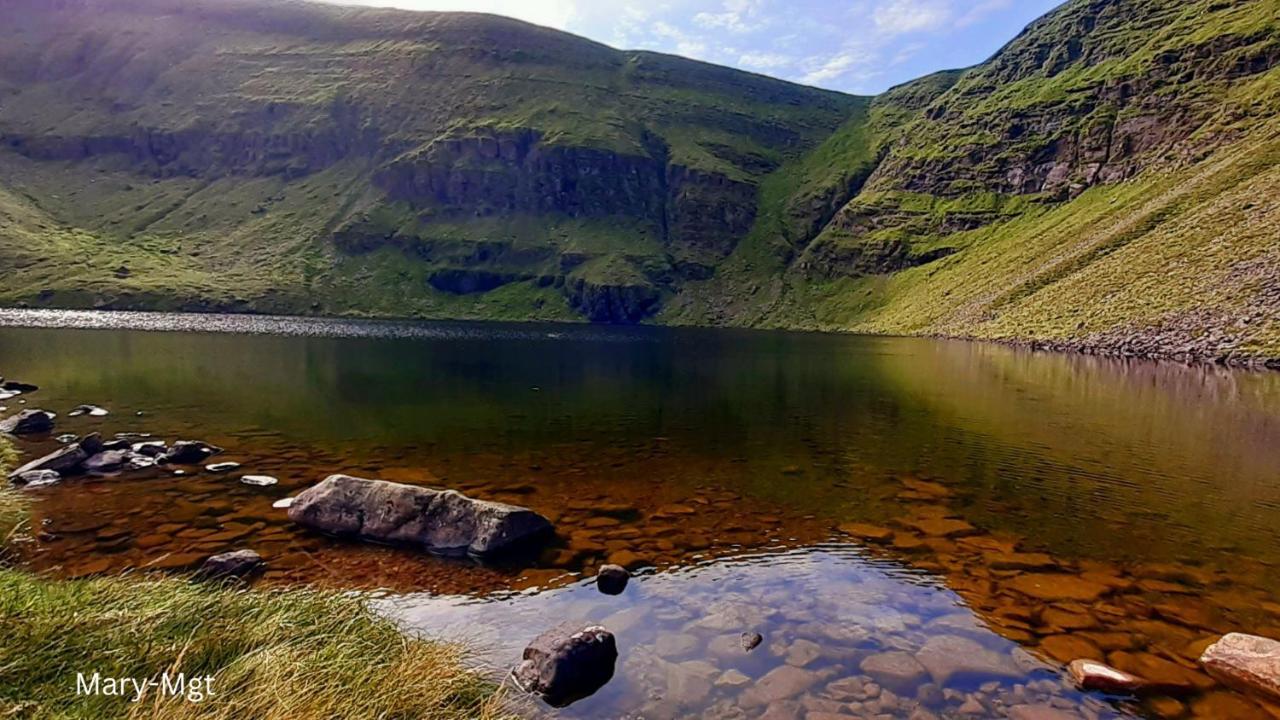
x,y
913,526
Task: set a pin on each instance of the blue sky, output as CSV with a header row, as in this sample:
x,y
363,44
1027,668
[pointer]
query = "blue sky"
x,y
858,46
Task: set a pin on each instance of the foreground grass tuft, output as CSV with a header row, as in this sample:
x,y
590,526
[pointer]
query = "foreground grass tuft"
x,y
282,655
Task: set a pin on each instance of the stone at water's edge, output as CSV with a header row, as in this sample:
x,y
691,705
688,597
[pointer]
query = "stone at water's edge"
x,y
1245,662
443,521
37,478
1093,675
188,452
567,663
28,422
64,460
237,565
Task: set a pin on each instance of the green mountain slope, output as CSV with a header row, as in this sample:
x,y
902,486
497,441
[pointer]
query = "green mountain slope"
x,y
1104,182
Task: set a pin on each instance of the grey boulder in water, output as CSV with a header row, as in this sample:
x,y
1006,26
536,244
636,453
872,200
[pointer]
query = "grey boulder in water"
x,y
441,521
567,663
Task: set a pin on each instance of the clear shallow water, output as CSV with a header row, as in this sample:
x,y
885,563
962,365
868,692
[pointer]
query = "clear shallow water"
x,y
1067,506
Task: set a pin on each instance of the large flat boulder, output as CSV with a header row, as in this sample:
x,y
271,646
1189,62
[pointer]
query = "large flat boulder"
x,y
441,521
1245,662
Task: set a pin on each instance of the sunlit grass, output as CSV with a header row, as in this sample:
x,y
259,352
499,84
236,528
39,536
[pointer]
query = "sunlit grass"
x,y
273,655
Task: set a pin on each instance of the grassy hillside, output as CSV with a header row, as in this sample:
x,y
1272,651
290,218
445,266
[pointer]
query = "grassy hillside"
x,y
246,155
1100,183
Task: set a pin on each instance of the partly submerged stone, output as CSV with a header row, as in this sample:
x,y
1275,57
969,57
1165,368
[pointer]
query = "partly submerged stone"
x,y
1248,663
222,467
189,452
612,579
444,521
90,410
1093,675
38,478
238,565
567,663
65,460
259,480
28,422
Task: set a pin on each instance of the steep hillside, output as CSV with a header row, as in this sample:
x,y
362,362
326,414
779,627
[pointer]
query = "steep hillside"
x,y
1100,184
338,146
1104,182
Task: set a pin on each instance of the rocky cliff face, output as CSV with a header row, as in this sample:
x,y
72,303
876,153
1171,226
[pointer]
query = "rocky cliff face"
x,y
1094,93
480,135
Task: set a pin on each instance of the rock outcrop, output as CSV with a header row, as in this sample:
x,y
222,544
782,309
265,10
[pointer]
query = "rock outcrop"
x,y
439,521
567,663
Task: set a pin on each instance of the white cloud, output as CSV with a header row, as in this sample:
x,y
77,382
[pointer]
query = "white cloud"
x,y
840,65
551,13
765,60
900,17
738,16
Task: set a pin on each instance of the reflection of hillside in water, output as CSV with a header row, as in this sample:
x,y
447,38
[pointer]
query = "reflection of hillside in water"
x,y
1104,457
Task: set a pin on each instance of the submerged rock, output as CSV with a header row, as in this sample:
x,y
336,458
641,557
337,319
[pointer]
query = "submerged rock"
x,y
14,386
1245,662
612,579
28,422
188,452
1093,675
237,565
951,656
436,520
567,663
90,410
894,669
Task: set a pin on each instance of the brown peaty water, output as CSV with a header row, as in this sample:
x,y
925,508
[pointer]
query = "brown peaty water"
x,y
912,525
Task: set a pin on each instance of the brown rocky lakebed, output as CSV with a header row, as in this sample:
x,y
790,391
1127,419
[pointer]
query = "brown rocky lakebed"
x,y
908,524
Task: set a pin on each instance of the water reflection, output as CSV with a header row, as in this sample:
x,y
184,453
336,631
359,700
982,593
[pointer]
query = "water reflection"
x,y
845,635
1069,506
